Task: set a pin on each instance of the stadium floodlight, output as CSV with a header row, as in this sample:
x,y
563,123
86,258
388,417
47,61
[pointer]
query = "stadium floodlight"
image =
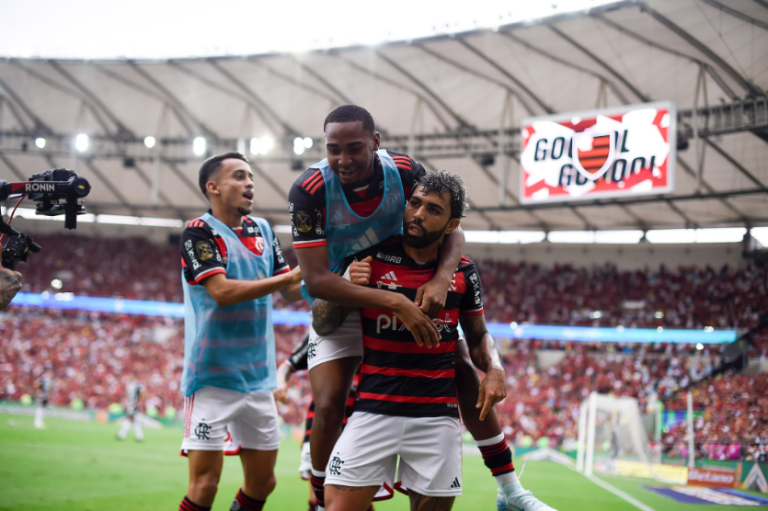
x,y
619,237
198,146
139,220
659,314
255,146
149,142
266,145
298,145
723,235
308,142
82,142
671,236
505,237
596,315
760,234
40,142
57,284
699,346
571,237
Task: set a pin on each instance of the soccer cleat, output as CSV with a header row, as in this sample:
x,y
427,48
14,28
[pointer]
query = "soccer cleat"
x,y
39,425
521,501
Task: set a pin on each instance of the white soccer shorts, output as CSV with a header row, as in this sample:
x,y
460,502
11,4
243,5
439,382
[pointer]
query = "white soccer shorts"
x,y
250,418
345,341
429,450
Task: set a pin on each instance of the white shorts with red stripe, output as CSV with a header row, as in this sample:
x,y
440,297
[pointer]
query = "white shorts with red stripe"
x,y
422,454
346,341
245,420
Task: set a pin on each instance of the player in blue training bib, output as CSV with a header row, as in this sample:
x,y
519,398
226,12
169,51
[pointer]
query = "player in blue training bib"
x,y
351,201
232,263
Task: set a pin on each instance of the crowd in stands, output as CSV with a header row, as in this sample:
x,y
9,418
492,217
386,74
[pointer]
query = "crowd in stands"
x,y
93,355
731,418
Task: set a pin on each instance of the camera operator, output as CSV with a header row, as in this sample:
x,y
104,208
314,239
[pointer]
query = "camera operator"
x,y
10,284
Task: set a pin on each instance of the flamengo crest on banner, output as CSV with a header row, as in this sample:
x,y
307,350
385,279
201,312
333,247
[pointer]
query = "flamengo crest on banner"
x,y
617,152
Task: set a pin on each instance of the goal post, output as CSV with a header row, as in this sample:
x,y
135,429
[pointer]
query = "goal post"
x,y
611,432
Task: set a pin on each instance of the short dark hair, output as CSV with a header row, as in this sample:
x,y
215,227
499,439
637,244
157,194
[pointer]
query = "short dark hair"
x,y
441,181
351,113
213,165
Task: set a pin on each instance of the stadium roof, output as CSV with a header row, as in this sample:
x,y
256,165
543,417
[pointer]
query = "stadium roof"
x,y
440,98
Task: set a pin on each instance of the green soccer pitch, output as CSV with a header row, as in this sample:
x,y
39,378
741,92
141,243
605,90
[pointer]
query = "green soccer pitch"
x,y
81,466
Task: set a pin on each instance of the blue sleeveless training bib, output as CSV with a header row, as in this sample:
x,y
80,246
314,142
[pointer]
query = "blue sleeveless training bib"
x,y
347,233
231,347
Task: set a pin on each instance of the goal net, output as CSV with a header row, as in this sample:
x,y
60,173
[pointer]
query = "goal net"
x,y
613,439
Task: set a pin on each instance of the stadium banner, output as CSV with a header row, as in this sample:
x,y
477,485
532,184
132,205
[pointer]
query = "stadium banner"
x,y
711,478
668,473
617,152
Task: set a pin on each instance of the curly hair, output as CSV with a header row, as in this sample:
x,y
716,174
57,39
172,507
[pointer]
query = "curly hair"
x,y
441,181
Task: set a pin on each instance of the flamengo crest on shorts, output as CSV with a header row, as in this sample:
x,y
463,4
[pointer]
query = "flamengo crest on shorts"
x,y
617,152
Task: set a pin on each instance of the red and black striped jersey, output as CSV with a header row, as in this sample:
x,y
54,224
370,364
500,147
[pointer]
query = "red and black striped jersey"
x,y
204,253
399,377
306,199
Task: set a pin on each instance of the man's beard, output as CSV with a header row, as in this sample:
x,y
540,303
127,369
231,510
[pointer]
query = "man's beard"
x,y
243,211
423,241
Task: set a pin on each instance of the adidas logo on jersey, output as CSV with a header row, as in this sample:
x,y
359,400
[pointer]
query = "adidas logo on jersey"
x,y
390,276
456,483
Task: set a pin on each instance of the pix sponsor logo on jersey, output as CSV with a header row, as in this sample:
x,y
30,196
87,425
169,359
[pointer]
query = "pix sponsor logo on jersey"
x,y
391,322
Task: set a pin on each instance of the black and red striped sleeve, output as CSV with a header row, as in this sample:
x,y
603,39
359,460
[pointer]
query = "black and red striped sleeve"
x,y
472,301
410,171
200,255
306,204
280,264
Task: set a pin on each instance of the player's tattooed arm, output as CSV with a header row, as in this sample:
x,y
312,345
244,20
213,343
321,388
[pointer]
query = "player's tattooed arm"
x,y
482,351
328,316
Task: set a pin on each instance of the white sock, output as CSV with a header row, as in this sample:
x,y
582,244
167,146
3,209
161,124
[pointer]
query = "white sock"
x,y
137,431
509,483
318,473
39,414
124,428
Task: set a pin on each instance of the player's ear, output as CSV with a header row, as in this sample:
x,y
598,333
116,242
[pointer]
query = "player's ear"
x,y
452,226
213,188
376,141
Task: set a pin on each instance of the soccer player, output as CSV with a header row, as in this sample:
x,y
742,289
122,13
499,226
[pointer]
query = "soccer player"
x,y
232,263
132,392
412,389
43,395
350,201
297,361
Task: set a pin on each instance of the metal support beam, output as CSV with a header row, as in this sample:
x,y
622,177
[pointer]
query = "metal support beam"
x,y
736,14
599,61
616,91
143,176
762,2
736,164
122,130
266,177
396,84
638,37
506,73
293,81
173,99
460,120
477,74
320,78
184,179
139,88
287,129
111,187
14,168
230,93
743,82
